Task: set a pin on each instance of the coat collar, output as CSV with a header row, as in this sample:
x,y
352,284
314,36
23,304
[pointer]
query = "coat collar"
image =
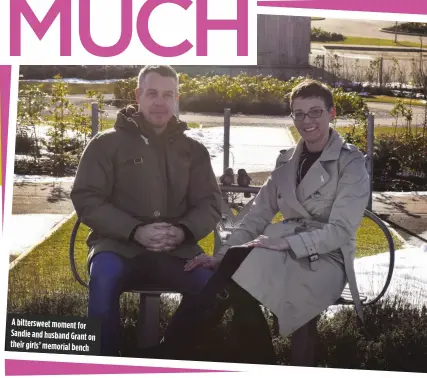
x,y
129,119
331,151
315,178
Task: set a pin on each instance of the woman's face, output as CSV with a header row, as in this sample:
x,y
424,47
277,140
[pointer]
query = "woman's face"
x,y
312,118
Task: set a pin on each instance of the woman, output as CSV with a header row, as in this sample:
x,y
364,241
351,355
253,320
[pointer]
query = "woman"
x,y
299,267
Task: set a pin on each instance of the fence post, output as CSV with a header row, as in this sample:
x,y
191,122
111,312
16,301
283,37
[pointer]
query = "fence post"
x,y
380,71
370,153
95,115
227,113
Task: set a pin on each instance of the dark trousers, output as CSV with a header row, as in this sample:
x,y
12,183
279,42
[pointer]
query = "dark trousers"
x,y
111,275
200,312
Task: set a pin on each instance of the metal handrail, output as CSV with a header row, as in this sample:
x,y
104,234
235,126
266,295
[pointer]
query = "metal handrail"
x,y
387,233
255,190
71,254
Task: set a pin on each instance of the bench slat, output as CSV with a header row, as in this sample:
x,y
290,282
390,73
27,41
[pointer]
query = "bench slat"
x,y
346,297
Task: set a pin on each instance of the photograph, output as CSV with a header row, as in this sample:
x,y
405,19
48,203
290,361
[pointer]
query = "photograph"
x,y
273,214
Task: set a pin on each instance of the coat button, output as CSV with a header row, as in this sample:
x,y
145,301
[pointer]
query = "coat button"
x,y
157,213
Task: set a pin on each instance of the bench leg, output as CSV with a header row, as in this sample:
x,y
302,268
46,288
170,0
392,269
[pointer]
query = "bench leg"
x,y
276,326
148,320
304,342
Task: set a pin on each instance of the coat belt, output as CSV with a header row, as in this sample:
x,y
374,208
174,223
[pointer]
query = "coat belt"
x,y
348,265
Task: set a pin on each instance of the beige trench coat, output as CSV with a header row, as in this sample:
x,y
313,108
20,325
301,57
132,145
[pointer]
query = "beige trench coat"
x,y
322,216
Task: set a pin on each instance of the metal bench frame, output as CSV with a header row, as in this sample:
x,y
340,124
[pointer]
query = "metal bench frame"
x,y
303,340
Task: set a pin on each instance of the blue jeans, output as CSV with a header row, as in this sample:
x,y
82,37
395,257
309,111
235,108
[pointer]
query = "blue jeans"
x,y
111,275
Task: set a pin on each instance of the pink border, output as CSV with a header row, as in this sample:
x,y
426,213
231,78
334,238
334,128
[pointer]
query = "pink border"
x,y
32,368
5,73
23,367
389,6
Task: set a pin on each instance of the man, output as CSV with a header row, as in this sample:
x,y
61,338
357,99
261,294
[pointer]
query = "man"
x,y
299,267
149,194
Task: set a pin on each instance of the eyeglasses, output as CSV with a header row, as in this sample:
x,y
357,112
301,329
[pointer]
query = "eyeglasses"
x,y
314,113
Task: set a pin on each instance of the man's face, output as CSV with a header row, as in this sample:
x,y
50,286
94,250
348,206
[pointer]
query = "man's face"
x,y
157,98
314,127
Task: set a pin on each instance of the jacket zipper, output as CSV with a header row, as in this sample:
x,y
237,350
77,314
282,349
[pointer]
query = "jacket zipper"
x,y
142,136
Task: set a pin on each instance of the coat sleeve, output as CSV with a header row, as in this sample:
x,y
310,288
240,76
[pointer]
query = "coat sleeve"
x,y
262,211
204,196
346,213
93,186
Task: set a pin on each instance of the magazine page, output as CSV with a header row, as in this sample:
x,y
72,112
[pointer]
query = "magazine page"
x,y
209,187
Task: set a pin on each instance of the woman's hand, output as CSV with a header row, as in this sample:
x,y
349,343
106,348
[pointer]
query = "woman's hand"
x,y
277,244
203,261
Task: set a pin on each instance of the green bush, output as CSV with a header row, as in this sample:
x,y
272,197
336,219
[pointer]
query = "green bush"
x,y
245,94
400,161
320,35
81,72
395,337
400,157
124,92
410,27
25,144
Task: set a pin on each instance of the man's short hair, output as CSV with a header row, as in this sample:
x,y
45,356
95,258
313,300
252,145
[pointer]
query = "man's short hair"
x,y
162,70
313,88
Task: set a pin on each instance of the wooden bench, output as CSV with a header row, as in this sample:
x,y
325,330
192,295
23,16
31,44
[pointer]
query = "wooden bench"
x,y
303,340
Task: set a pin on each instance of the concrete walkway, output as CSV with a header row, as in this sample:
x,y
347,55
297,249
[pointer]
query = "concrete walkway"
x,y
37,208
405,212
381,110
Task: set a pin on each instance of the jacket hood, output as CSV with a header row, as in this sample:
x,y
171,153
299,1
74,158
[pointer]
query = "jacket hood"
x,y
130,119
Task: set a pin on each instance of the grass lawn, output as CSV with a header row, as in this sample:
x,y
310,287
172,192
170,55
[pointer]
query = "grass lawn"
x,y
43,283
394,100
373,42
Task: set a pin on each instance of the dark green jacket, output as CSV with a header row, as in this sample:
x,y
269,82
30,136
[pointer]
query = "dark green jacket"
x,y
129,176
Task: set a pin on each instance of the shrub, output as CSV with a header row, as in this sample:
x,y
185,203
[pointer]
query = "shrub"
x,y
81,72
25,144
400,158
410,27
320,35
395,337
400,161
245,94
124,92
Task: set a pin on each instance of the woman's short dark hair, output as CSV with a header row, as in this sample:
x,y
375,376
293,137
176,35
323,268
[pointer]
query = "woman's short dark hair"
x,y
313,88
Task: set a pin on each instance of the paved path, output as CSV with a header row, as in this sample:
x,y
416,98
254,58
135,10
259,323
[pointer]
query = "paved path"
x,y
407,214
42,198
381,110
36,209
